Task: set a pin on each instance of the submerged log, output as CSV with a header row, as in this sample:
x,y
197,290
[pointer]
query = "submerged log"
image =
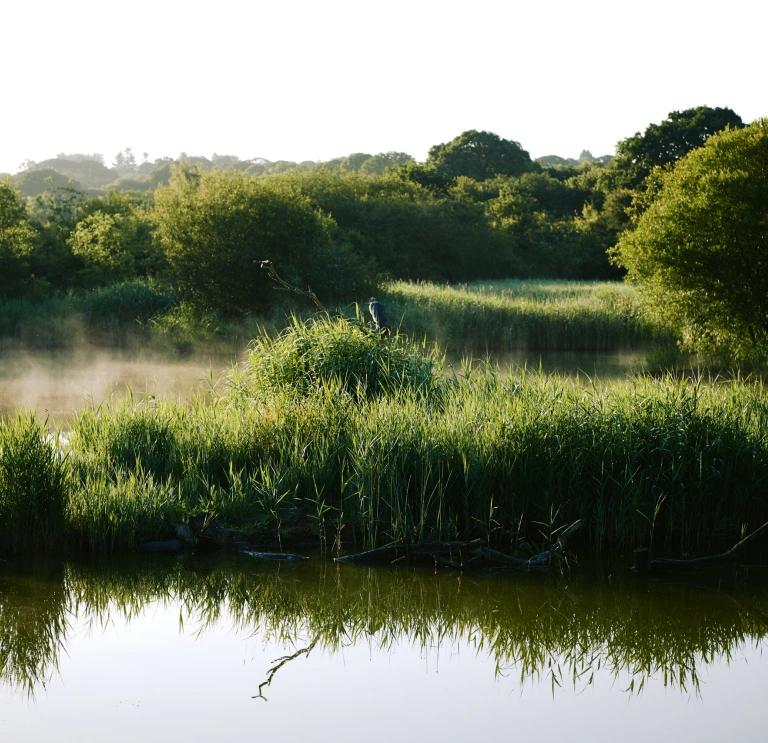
x,y
642,565
702,562
461,555
169,545
398,553
285,556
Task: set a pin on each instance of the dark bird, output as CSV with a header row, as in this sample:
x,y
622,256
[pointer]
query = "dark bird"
x,y
378,313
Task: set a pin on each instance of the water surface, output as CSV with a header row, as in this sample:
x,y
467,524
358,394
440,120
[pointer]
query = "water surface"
x,y
167,649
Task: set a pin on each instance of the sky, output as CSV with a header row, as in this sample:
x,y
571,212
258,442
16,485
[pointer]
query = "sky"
x,y
297,80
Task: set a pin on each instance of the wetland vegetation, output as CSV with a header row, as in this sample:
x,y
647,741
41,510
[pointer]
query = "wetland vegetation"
x,y
330,433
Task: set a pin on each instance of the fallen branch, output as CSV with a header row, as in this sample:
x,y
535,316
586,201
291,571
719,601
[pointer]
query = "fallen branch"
x,y
697,563
459,555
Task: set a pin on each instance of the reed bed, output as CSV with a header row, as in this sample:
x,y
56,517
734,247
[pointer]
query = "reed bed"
x,y
466,318
415,456
514,314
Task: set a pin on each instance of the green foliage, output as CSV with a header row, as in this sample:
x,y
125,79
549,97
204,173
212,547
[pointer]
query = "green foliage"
x,y
37,181
346,356
215,228
396,464
34,486
700,250
480,155
113,240
15,240
665,143
504,315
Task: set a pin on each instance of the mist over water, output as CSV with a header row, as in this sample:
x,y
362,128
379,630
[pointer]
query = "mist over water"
x,y
57,383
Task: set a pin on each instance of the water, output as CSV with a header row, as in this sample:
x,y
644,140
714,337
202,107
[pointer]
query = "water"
x,y
59,383
165,649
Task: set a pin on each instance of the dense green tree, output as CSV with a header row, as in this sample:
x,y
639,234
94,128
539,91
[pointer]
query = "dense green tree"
x,y
15,240
214,228
113,239
53,214
480,155
665,143
700,250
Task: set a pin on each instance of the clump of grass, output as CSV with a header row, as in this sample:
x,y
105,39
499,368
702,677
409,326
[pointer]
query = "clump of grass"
x,y
119,510
34,485
315,353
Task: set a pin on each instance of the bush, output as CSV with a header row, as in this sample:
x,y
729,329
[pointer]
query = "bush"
x,y
700,250
313,354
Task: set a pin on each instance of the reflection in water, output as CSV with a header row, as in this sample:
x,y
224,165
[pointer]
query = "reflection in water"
x,y
536,628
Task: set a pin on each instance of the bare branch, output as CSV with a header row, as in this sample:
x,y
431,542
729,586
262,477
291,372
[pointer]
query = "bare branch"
x,y
270,269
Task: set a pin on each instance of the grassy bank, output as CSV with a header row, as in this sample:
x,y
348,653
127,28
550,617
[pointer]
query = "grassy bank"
x,y
471,318
334,432
504,315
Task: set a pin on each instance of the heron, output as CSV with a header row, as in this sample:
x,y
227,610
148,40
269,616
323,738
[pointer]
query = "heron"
x,y
379,314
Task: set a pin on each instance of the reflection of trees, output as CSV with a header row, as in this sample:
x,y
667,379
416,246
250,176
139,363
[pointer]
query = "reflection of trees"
x,y
532,626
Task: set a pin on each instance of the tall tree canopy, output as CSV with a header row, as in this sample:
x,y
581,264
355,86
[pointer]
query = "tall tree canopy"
x,y
480,155
665,143
700,250
15,239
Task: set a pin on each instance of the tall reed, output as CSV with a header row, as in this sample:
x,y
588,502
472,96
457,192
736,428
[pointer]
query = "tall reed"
x,y
34,486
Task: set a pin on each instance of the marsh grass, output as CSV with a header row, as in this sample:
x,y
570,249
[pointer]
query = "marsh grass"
x,y
531,314
306,436
34,486
465,318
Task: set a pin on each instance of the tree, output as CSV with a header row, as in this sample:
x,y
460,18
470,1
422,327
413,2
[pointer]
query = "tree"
x,y
113,239
700,250
665,143
15,240
215,227
480,155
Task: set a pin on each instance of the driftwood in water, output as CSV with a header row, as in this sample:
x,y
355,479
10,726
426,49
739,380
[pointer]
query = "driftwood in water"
x,y
702,562
283,556
409,552
460,555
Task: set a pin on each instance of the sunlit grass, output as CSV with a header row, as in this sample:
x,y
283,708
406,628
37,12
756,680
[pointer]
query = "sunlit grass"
x,y
504,315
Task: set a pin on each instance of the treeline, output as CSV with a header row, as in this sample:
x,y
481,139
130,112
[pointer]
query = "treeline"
x,y
478,207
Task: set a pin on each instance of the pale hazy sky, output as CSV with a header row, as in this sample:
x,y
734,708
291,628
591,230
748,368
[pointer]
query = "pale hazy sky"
x,y
299,80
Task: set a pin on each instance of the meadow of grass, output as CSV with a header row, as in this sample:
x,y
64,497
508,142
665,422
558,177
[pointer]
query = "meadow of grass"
x,y
365,440
535,314
468,318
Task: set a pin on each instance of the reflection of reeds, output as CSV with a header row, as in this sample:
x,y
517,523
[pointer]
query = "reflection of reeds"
x,y
527,625
34,603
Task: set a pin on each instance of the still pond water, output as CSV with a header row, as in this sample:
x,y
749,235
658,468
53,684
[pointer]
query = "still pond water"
x,y
166,649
